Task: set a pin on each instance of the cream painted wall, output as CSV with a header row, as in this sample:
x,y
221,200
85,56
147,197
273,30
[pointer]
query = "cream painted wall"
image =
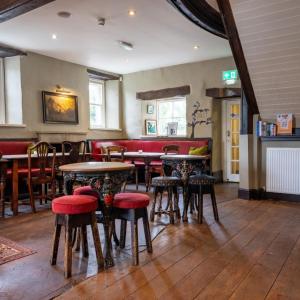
x,y
199,76
40,73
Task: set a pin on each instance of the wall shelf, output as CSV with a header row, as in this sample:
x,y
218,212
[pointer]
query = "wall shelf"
x,y
280,138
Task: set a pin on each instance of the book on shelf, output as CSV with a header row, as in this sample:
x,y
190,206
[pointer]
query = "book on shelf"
x,y
266,129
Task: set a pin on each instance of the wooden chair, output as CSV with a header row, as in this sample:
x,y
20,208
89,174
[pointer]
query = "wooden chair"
x,y
3,168
41,172
72,152
119,149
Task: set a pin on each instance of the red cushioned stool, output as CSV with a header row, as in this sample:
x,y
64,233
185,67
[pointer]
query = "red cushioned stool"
x,y
131,207
86,190
75,211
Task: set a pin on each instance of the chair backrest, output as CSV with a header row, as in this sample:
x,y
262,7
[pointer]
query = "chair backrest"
x,y
171,149
43,159
115,149
73,152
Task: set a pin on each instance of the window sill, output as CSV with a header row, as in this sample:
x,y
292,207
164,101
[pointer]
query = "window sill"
x,y
106,129
13,125
164,136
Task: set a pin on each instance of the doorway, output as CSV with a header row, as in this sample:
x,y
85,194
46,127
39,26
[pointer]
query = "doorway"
x,y
231,137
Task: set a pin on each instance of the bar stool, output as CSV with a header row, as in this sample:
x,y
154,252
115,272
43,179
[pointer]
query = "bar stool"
x,y
204,184
75,212
160,184
131,207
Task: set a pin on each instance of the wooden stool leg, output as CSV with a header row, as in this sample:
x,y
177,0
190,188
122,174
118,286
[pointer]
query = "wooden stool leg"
x,y
214,202
136,178
170,200
55,244
77,238
31,197
114,233
85,246
2,202
68,248
123,233
160,203
147,231
176,202
97,243
152,213
200,205
134,242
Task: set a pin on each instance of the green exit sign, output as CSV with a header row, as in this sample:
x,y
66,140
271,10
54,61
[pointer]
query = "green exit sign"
x,y
230,75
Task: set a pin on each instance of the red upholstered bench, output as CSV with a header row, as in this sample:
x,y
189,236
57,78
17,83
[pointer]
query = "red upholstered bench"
x,y
131,207
75,211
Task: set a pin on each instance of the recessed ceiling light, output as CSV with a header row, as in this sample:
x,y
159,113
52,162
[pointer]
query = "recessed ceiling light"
x,y
54,36
196,47
125,45
64,14
131,12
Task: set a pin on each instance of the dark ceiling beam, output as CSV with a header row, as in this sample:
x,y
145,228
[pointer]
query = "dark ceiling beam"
x,y
6,51
238,53
12,8
164,93
202,14
102,76
223,93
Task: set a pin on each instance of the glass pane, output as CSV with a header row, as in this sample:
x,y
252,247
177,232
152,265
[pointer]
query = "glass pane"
x,y
235,139
181,129
164,110
96,119
235,125
235,153
96,92
235,167
163,126
179,109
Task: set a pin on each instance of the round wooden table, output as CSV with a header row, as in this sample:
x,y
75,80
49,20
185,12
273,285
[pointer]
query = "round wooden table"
x,y
105,177
184,166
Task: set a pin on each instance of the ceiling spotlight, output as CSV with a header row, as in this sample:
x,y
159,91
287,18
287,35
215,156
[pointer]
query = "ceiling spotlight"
x,y
196,47
101,21
125,45
54,36
131,12
64,14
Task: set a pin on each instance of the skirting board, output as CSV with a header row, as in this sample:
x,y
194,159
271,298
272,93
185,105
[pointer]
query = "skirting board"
x,y
262,195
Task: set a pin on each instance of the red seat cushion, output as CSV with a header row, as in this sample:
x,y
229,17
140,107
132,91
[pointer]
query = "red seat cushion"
x,y
85,190
74,205
156,163
131,200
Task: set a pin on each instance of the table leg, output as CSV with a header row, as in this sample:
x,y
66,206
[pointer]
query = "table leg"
x,y
109,261
147,173
2,187
15,187
185,202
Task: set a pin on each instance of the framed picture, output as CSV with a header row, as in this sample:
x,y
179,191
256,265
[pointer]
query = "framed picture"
x,y
151,127
172,128
59,108
284,124
150,109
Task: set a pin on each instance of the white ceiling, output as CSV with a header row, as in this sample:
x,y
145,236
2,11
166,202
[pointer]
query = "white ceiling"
x,y
160,34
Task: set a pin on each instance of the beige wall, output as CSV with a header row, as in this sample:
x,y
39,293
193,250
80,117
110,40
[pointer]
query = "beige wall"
x,y
40,73
199,76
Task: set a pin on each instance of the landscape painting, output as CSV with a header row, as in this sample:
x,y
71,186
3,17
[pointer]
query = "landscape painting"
x,y
59,108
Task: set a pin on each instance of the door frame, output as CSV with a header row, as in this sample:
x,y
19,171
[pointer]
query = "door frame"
x,y
224,134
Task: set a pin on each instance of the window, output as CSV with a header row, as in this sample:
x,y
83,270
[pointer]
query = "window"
x,y
10,91
171,110
97,103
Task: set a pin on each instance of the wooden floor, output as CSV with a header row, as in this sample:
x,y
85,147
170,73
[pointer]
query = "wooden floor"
x,y
253,253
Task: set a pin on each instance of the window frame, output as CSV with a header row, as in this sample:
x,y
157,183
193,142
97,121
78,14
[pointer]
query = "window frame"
x,y
103,111
172,100
2,94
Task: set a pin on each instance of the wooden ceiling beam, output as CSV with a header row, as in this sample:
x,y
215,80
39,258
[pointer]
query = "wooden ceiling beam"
x,y
6,51
238,53
12,8
202,14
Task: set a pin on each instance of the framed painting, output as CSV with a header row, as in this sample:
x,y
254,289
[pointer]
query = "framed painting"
x,y
151,127
59,108
150,109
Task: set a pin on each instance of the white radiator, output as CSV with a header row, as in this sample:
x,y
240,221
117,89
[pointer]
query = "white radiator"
x,y
283,170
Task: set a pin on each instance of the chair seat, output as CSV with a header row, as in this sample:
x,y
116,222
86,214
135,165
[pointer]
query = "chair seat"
x,y
201,179
156,163
85,190
131,200
74,204
24,171
139,163
166,181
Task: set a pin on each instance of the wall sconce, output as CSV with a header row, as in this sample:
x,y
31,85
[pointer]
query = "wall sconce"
x,y
60,89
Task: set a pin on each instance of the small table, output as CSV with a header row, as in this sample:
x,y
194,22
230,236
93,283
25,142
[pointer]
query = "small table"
x,y
105,177
3,168
184,165
146,157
